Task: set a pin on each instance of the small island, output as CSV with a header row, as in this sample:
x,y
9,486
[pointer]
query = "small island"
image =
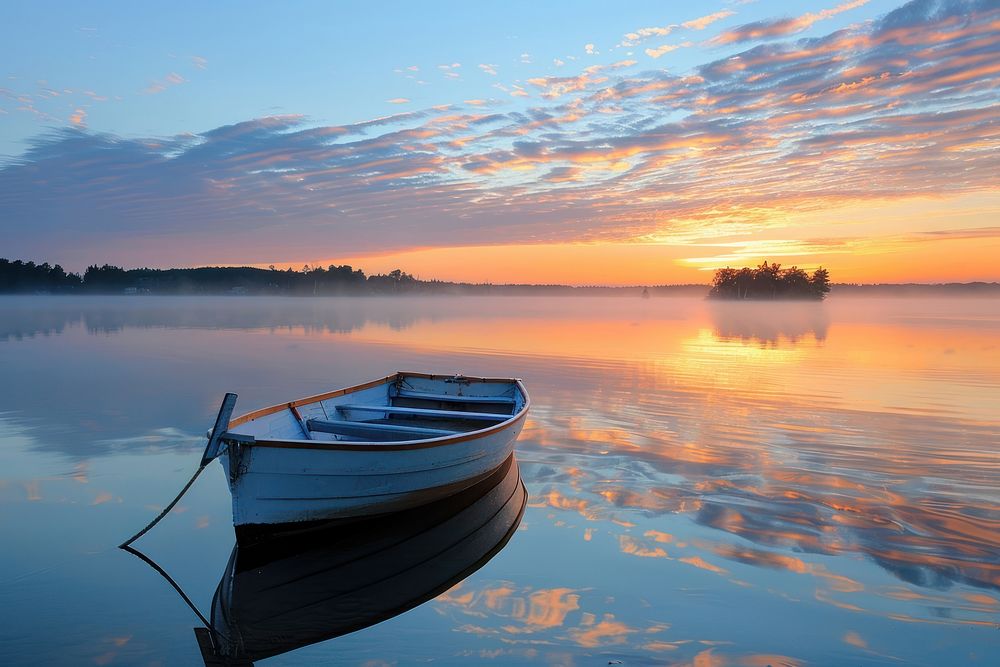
x,y
770,282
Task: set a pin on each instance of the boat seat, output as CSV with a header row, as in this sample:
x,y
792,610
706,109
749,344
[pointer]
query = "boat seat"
x,y
448,398
376,431
423,412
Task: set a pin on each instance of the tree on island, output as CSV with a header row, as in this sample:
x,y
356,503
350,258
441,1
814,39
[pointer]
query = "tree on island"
x,y
770,281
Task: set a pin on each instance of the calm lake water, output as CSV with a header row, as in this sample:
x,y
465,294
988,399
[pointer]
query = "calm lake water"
x,y
707,484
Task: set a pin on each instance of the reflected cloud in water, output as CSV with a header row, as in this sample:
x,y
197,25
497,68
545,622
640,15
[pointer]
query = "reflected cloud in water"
x,y
915,494
698,473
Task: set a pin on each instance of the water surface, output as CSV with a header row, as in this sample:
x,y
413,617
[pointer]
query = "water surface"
x,y
709,484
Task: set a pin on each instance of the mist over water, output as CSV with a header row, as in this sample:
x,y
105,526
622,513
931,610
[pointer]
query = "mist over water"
x,y
709,483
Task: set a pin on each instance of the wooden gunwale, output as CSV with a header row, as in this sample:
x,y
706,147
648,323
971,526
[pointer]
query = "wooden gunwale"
x,y
420,395
402,445
263,412
424,412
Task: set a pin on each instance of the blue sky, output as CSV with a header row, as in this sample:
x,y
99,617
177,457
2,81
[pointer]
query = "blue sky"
x,y
333,62
183,133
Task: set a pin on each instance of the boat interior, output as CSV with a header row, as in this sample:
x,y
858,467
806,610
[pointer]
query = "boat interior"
x,y
401,407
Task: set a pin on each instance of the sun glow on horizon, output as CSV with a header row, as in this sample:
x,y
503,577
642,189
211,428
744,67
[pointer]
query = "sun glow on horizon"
x,y
878,241
862,137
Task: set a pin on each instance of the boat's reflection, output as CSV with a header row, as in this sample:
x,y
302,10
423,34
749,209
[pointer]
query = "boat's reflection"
x,y
283,594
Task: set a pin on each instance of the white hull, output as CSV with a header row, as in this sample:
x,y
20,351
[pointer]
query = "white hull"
x,y
286,480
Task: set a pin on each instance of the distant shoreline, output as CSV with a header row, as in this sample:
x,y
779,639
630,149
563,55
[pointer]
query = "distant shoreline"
x,y
901,290
20,277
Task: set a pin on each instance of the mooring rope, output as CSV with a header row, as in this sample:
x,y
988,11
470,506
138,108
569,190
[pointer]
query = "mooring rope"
x,y
124,545
170,580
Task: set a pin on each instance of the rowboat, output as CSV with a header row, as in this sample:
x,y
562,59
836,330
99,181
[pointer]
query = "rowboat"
x,y
280,595
383,446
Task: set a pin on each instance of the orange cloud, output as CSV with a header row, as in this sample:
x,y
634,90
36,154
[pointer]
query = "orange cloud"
x,y
159,85
782,27
661,50
705,21
557,86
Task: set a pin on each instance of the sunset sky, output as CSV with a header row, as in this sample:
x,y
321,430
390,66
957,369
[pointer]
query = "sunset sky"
x,y
580,143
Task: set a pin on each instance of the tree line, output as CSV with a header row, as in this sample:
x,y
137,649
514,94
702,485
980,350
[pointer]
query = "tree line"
x,y
767,281
18,276
770,281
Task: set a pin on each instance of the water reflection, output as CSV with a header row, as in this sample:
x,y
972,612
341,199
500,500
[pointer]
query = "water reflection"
x,y
26,317
770,324
278,596
779,474
700,475
129,373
